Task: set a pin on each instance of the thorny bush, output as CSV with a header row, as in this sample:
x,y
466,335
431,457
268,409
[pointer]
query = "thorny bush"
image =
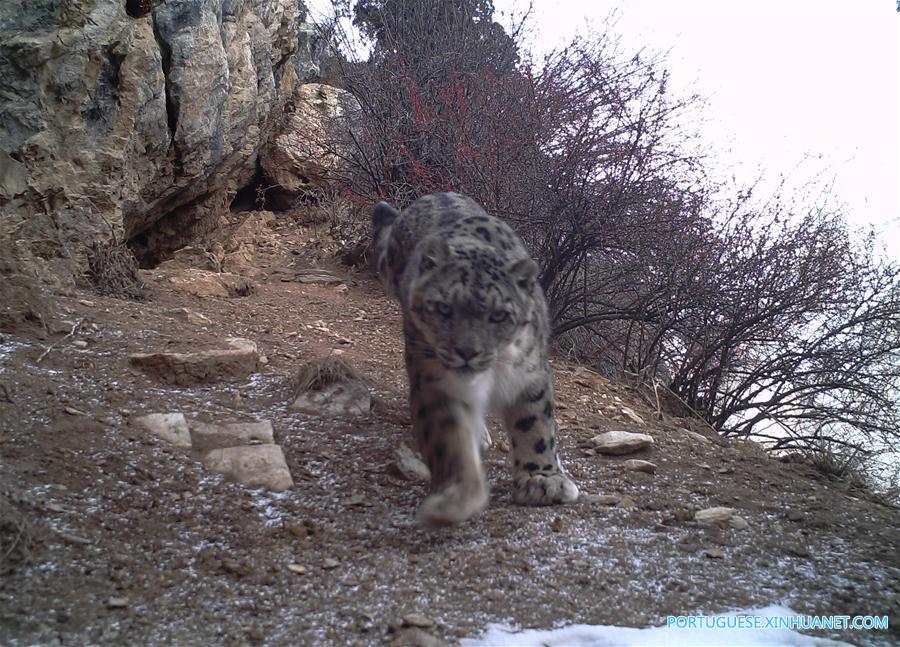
x,y
763,317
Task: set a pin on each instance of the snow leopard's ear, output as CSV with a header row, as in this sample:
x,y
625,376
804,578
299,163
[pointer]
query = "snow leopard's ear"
x,y
435,252
383,215
524,273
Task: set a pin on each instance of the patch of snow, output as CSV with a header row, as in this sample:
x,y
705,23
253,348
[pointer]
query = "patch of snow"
x,y
612,636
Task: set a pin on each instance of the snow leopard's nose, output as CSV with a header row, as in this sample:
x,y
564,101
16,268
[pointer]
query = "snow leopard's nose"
x,y
468,354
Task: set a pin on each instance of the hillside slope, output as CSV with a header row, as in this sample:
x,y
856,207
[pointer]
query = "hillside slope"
x,y
131,539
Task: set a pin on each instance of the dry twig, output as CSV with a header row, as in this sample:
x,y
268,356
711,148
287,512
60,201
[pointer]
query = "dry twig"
x,y
75,327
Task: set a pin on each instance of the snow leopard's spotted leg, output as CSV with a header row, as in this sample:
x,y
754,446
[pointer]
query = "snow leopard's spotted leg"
x,y
538,475
448,435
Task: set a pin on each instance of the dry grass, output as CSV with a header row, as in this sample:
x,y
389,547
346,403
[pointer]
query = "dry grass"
x,y
113,271
857,469
321,373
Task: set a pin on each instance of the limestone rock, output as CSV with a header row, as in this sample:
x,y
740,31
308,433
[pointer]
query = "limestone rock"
x,y
349,398
256,466
635,465
236,362
149,122
237,252
408,466
171,427
714,515
206,436
296,160
621,442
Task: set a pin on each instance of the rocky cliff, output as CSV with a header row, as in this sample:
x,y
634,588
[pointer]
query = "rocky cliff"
x,y
138,117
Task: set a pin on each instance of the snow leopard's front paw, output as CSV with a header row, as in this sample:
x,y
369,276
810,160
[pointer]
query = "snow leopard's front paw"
x,y
530,488
453,503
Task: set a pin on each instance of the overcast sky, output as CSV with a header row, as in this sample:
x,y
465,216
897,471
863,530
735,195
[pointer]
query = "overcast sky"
x,y
786,80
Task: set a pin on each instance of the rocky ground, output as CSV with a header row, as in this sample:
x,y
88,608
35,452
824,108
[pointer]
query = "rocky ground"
x,y
111,534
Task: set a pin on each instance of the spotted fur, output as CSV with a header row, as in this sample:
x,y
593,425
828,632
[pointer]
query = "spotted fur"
x,y
476,325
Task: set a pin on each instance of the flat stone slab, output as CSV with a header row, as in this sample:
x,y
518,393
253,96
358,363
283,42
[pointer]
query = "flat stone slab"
x,y
208,436
621,442
256,466
171,427
236,362
338,399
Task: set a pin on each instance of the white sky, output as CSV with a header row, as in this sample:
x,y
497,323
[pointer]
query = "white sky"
x,y
786,81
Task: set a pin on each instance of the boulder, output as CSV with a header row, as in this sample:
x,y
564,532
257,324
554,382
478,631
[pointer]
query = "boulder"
x,y
256,466
621,442
236,362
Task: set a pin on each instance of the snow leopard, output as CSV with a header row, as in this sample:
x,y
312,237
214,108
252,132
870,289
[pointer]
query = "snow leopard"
x,y
476,327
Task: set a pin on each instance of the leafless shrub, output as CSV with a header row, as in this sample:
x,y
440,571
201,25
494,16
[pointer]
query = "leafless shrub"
x,y
113,270
766,318
853,465
323,372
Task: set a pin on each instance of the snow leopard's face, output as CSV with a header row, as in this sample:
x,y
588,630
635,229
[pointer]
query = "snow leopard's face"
x,y
469,303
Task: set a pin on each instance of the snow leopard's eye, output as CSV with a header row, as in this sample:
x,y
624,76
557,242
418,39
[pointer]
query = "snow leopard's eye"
x,y
498,316
443,309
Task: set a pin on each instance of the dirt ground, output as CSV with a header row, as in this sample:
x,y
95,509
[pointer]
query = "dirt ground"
x,y
131,541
